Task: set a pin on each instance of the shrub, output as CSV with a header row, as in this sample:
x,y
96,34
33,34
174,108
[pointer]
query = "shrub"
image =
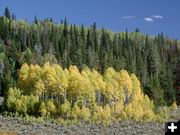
x,y
106,115
51,108
32,104
10,100
65,109
75,111
173,106
84,114
118,108
21,105
162,113
102,116
42,109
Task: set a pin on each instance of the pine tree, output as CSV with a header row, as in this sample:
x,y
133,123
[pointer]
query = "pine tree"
x,y
35,20
7,13
13,16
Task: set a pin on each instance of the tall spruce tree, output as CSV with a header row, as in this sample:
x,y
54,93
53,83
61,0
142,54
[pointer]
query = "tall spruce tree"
x,y
7,13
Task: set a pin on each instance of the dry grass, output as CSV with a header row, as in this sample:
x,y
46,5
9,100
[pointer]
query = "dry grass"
x,y
7,132
11,133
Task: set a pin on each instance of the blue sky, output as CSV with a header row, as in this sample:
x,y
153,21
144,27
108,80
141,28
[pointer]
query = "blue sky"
x,y
150,16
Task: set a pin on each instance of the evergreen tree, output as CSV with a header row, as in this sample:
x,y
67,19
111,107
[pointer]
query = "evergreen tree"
x,y
35,20
7,13
13,16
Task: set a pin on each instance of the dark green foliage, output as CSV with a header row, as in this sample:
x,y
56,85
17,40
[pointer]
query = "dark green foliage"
x,y
27,56
166,82
7,13
153,59
177,82
13,16
158,94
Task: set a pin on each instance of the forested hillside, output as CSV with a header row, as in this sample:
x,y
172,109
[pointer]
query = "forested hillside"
x,y
36,67
154,59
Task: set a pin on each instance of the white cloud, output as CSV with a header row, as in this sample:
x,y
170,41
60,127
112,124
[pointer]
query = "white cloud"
x,y
157,16
128,17
148,19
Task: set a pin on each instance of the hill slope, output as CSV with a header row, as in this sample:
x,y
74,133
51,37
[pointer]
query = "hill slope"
x,y
153,59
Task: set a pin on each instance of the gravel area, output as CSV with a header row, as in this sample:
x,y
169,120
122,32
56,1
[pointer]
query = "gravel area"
x,y
122,128
18,126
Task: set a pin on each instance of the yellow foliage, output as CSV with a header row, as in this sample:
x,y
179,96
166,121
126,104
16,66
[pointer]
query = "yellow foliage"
x,y
174,106
51,107
107,113
73,70
126,82
109,91
10,100
118,108
42,109
129,110
65,109
75,111
110,73
80,87
84,114
49,74
135,81
23,72
39,86
87,88
102,115
97,81
20,106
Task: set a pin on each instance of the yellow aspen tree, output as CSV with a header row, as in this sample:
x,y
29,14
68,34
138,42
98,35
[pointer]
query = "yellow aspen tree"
x,y
98,84
126,81
65,79
12,95
106,116
112,88
39,87
31,80
148,108
118,109
61,81
21,105
23,75
174,106
42,109
65,109
143,105
23,72
75,84
102,115
84,114
126,84
75,111
80,87
50,107
87,89
48,76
